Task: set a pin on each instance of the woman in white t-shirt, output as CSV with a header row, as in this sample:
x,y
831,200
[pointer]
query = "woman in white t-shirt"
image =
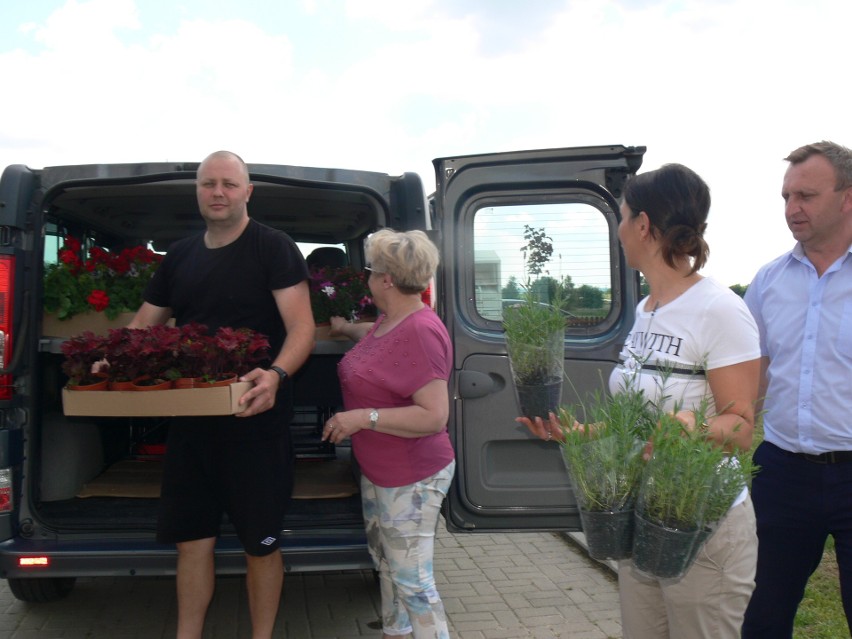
x,y
704,338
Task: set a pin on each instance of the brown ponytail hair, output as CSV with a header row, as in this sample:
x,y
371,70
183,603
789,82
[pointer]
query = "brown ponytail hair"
x,y
677,202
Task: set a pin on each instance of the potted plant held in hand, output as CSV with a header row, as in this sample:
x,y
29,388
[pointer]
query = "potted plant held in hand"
x,y
604,462
535,337
687,486
161,353
339,292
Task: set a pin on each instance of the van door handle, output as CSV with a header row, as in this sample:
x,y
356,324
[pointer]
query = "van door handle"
x,y
473,384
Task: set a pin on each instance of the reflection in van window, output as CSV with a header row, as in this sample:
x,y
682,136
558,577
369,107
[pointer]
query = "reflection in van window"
x,y
579,270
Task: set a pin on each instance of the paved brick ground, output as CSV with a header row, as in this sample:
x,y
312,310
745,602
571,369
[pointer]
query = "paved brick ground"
x,y
538,585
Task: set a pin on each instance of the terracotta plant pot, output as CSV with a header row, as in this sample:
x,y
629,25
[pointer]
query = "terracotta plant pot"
x,y
186,382
121,386
100,385
227,380
146,383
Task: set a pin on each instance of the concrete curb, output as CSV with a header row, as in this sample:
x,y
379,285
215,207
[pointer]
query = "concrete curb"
x,y
580,539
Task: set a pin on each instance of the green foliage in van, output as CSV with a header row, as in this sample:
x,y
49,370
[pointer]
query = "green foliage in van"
x,y
112,283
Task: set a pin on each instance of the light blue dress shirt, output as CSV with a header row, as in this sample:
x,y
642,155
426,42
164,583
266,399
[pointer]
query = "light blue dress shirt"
x,y
805,324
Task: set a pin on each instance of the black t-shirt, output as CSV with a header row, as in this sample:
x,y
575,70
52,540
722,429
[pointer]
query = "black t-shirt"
x,y
231,286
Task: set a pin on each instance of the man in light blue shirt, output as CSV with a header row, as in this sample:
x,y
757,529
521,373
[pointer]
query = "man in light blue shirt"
x,y
802,302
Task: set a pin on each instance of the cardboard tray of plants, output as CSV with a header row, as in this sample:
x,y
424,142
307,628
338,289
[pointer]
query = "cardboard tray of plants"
x,y
222,400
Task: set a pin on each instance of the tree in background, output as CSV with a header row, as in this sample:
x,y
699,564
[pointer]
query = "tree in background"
x,y
589,297
568,292
545,289
537,251
511,291
739,289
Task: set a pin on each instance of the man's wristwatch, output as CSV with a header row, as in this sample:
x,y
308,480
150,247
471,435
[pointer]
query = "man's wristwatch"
x,y
374,418
282,374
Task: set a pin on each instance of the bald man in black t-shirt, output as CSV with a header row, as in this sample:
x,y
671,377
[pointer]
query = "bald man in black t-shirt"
x,y
238,273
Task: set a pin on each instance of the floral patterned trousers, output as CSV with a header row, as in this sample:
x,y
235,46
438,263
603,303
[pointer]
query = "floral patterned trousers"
x,y
401,524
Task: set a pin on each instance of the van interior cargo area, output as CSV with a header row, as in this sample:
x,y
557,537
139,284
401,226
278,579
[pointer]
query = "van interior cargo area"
x,y
103,473
140,477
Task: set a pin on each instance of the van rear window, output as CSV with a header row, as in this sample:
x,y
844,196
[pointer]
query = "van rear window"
x,y
579,271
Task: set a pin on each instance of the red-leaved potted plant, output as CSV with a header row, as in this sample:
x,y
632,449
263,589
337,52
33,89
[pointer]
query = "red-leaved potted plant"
x,y
123,363
82,352
234,352
163,353
157,348
192,356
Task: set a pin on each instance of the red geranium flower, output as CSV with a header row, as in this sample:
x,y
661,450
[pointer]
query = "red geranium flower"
x,y
71,260
98,299
72,244
109,282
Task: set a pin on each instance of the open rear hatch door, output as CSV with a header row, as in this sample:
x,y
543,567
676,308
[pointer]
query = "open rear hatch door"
x,y
507,479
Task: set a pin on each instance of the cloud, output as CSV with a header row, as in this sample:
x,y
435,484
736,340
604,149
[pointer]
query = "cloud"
x,y
104,100
728,88
86,28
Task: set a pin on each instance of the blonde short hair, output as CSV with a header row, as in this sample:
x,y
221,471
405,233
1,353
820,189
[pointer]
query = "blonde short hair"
x,y
410,258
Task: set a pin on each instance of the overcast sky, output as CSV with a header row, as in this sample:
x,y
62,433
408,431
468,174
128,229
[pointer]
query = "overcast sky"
x,y
727,87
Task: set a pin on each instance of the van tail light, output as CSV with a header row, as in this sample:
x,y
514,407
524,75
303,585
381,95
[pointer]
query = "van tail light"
x,y
6,499
7,282
34,562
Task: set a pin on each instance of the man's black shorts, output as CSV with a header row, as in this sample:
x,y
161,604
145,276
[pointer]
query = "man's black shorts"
x,y
205,476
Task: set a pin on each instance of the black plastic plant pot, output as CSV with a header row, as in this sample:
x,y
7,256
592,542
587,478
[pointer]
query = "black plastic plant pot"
x,y
539,399
665,553
609,534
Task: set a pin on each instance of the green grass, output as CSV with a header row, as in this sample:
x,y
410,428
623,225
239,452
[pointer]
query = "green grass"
x,y
820,615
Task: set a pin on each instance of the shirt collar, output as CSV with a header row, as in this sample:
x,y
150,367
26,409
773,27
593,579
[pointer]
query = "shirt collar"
x,y
798,253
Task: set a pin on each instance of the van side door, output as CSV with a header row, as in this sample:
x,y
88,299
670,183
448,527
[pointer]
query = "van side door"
x,y
488,207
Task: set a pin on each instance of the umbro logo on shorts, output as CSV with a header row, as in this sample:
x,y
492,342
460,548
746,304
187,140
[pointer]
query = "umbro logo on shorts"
x,y
268,541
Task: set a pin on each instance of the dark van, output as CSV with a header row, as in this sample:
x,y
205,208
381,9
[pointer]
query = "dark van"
x,y
54,527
